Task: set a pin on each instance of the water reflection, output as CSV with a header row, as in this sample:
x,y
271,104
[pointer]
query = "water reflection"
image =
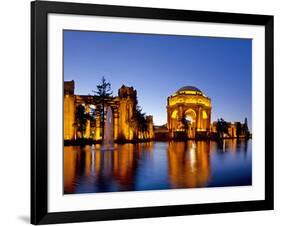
x,y
157,165
189,164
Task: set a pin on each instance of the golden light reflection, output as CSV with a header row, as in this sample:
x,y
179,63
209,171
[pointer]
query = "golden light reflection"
x,y
70,157
189,164
95,164
184,164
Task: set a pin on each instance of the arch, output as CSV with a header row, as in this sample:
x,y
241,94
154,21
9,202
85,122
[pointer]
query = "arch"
x,y
190,115
189,112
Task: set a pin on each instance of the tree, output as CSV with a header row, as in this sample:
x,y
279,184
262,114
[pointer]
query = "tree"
x,y
80,119
222,127
246,129
141,120
186,123
138,121
238,129
103,92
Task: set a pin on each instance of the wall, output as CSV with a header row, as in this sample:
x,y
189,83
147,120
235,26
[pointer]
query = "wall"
x,y
15,113
69,117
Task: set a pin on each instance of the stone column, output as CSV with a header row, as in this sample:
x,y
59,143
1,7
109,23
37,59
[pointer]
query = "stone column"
x,y
181,115
69,117
199,119
149,119
209,121
88,124
130,115
98,125
169,121
115,123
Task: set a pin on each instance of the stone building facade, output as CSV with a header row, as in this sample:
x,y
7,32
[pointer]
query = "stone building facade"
x,y
232,130
123,108
188,113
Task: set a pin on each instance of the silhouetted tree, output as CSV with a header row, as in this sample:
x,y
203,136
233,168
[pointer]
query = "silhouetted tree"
x,y
142,122
238,129
80,119
222,127
103,92
139,121
246,129
186,123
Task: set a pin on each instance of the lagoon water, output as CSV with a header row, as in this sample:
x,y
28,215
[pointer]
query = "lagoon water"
x,y
157,165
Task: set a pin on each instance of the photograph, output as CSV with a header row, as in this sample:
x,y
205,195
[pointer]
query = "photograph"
x,y
140,112
146,112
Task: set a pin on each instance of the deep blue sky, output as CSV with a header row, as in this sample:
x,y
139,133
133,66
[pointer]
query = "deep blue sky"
x,y
158,65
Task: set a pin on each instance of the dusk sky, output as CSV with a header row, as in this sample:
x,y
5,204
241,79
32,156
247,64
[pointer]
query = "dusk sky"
x,y
158,65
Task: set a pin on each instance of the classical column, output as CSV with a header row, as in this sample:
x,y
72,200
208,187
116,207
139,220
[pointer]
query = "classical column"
x,y
209,121
69,117
149,119
88,124
169,121
98,125
179,118
169,126
130,115
115,123
199,119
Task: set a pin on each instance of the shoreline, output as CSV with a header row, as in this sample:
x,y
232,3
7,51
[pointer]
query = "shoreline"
x,y
82,142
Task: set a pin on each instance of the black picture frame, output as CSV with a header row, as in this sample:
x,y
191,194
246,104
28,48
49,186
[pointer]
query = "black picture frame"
x,y
39,116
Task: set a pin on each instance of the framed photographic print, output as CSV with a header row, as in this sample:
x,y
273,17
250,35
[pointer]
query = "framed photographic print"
x,y
145,112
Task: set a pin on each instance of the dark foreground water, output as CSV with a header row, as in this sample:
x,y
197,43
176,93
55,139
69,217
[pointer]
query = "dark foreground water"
x,y
157,165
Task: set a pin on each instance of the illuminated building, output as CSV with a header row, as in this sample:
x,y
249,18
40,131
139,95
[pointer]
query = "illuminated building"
x,y
188,113
123,108
232,130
